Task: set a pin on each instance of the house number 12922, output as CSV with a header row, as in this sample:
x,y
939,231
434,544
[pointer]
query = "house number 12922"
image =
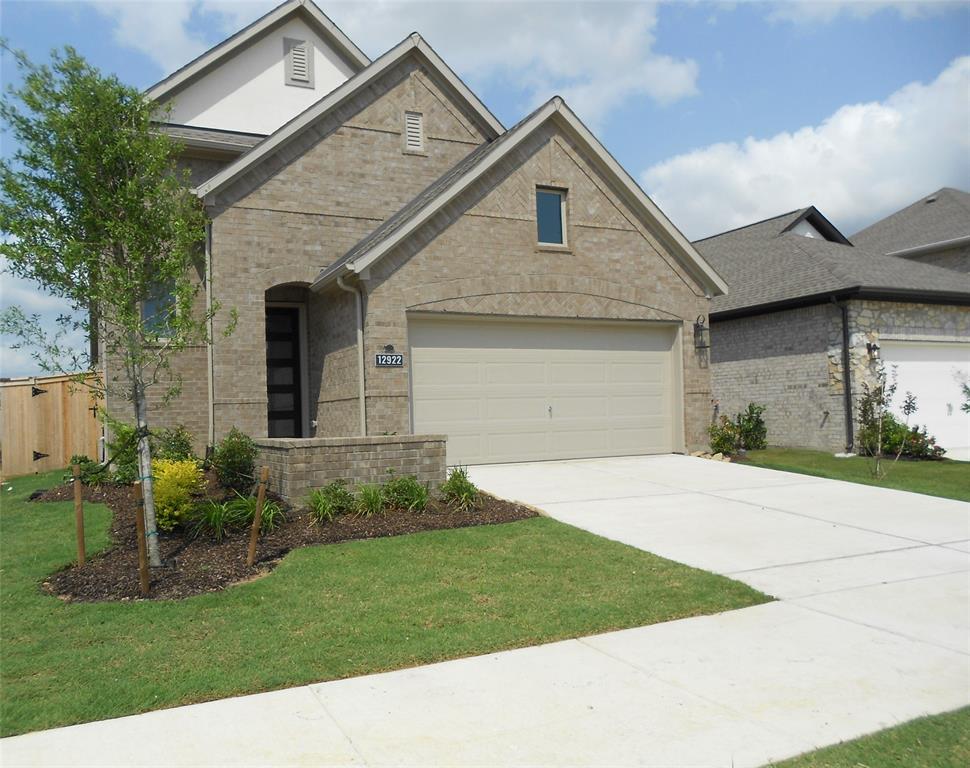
x,y
384,360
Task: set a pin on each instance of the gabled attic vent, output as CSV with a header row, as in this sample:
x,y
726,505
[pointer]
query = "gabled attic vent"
x,y
413,132
298,55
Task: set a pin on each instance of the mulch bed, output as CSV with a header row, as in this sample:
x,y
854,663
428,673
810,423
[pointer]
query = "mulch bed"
x,y
201,564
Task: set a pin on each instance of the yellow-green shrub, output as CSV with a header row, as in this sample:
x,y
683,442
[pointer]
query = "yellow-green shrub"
x,y
175,483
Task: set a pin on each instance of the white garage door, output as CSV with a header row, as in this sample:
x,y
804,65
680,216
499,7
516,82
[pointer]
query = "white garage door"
x,y
507,390
934,373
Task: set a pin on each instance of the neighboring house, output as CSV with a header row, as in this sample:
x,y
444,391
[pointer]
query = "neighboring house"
x,y
403,264
934,230
805,306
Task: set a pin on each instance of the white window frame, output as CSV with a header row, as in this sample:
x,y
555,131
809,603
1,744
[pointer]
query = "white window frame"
x,y
563,193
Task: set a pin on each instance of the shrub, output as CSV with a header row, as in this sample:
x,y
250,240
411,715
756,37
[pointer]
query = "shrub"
x,y
123,453
724,436
369,500
176,483
174,444
405,492
211,516
897,439
752,432
242,510
328,502
92,473
234,460
458,490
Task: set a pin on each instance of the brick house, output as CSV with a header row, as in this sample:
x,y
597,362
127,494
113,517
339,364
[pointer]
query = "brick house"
x,y
403,266
806,305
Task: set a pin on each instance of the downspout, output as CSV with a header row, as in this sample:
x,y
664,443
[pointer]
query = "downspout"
x,y
209,355
362,408
846,377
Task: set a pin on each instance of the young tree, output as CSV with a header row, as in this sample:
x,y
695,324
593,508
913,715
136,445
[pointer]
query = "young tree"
x,y
92,206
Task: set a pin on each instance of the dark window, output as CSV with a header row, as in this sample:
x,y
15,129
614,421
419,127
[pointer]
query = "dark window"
x,y
158,310
549,215
284,411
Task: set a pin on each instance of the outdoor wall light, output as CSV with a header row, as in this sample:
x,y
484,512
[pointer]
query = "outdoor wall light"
x,y
702,334
388,348
873,349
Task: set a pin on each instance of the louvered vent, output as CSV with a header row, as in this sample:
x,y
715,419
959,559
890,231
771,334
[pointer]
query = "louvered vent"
x,y
413,131
298,55
300,63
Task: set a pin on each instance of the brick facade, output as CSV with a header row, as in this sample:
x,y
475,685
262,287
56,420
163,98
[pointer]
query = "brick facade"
x,y
296,466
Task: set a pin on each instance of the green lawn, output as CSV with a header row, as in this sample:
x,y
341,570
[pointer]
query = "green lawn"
x,y
950,479
942,741
326,612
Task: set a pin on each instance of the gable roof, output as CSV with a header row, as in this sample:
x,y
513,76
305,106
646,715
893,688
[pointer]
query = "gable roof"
x,y
415,45
446,188
305,9
770,267
934,220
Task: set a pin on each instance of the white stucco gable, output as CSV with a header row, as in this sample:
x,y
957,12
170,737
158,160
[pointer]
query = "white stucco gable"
x,y
246,84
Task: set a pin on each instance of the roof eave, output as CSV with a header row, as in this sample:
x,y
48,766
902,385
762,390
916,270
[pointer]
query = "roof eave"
x,y
959,298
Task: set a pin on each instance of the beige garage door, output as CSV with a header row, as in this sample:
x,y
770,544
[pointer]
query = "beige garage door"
x,y
505,390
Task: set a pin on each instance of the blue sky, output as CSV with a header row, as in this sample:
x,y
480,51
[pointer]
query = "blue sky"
x,y
726,112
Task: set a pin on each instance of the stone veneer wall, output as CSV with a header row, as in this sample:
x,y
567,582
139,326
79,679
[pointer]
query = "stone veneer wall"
x,y
297,465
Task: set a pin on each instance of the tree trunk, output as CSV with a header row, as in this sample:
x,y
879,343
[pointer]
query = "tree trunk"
x,y
145,471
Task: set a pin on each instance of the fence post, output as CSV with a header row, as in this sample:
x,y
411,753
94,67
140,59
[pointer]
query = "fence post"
x,y
142,545
258,517
78,513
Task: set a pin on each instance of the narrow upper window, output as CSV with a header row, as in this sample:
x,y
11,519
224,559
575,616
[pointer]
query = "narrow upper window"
x,y
551,216
158,309
413,131
298,55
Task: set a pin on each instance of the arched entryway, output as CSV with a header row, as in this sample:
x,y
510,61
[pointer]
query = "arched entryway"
x,y
287,397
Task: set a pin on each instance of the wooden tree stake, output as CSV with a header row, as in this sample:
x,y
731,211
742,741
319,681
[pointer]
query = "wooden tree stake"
x,y
142,544
78,513
258,517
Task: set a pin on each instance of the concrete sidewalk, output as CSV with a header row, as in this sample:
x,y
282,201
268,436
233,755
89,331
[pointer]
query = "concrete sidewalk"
x,y
872,630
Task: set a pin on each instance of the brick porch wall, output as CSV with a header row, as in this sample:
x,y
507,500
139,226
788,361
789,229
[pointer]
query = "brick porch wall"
x,y
297,465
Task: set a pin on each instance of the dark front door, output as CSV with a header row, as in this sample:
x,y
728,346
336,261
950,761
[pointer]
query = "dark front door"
x,y
285,413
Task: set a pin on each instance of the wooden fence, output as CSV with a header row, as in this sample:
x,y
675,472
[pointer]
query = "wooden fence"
x,y
43,422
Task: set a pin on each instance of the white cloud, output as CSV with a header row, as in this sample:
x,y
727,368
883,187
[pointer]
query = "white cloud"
x,y
861,163
825,11
33,300
595,54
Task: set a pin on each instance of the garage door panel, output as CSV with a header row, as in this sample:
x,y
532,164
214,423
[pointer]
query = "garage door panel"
x,y
582,406
576,374
448,409
609,386
628,372
514,372
515,408
453,371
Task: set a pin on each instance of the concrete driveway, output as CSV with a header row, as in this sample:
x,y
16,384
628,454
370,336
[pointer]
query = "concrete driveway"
x,y
872,630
